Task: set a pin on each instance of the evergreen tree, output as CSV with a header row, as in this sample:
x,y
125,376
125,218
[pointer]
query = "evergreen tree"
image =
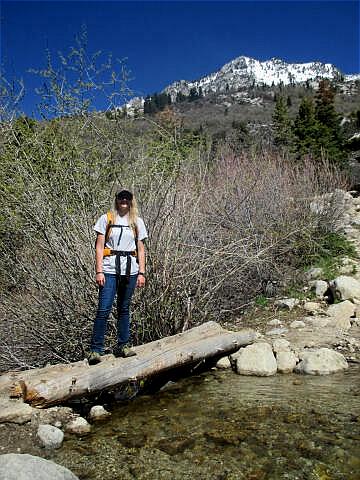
x,y
193,95
330,141
180,97
147,105
282,124
306,128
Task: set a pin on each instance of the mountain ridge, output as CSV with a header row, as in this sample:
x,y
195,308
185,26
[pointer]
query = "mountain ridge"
x,y
245,72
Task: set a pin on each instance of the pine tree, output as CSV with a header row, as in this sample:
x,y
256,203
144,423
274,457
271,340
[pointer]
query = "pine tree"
x,y
306,128
193,95
330,141
282,124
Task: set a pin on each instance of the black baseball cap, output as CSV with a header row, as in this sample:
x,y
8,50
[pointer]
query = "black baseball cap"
x,y
124,194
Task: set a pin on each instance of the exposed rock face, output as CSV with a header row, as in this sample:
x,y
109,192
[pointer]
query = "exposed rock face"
x,y
50,436
244,71
257,359
24,467
322,361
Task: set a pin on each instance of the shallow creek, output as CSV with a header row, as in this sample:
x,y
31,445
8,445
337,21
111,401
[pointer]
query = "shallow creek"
x,y
222,426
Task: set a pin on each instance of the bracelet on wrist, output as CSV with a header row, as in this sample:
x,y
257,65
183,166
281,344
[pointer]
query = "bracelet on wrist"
x,y
97,273
142,274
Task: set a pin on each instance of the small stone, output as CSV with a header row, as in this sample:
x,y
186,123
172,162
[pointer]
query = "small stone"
x,y
79,426
314,273
316,321
288,303
297,324
98,412
274,322
312,307
277,331
223,363
50,436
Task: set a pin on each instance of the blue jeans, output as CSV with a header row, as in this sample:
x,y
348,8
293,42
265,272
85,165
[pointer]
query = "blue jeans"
x,y
113,285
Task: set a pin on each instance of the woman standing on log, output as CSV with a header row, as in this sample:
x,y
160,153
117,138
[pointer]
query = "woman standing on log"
x,y
120,267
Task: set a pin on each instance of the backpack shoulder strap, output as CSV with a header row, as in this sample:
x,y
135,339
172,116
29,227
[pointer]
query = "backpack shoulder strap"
x,y
110,222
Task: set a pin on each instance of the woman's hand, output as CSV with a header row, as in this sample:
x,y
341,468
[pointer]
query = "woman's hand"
x,y
140,282
100,279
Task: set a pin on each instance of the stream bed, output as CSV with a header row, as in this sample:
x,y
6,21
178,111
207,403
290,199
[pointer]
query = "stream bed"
x,y
223,426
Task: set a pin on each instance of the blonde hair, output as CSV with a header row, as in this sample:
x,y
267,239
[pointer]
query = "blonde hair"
x,y
133,212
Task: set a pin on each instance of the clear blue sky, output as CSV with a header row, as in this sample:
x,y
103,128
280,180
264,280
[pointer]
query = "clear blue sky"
x,y
166,41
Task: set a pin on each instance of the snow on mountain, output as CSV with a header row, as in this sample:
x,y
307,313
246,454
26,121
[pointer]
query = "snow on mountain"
x,y
352,78
246,72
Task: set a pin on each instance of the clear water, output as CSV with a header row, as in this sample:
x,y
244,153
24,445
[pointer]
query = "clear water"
x,y
222,426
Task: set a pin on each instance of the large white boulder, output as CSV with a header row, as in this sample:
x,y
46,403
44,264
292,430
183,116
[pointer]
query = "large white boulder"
x,y
256,359
15,466
322,361
348,287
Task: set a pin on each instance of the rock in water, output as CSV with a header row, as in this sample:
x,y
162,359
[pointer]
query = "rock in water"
x,y
322,361
98,412
50,436
79,426
24,467
286,361
257,359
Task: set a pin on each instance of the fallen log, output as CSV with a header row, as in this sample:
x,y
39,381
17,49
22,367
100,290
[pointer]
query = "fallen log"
x,y
58,383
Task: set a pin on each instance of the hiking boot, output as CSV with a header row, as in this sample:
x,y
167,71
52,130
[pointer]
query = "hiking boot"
x,y
123,351
94,358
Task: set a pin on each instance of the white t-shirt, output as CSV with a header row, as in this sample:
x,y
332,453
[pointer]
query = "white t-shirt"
x,y
121,238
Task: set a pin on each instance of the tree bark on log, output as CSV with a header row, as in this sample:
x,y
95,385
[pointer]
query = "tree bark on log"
x,y
58,383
